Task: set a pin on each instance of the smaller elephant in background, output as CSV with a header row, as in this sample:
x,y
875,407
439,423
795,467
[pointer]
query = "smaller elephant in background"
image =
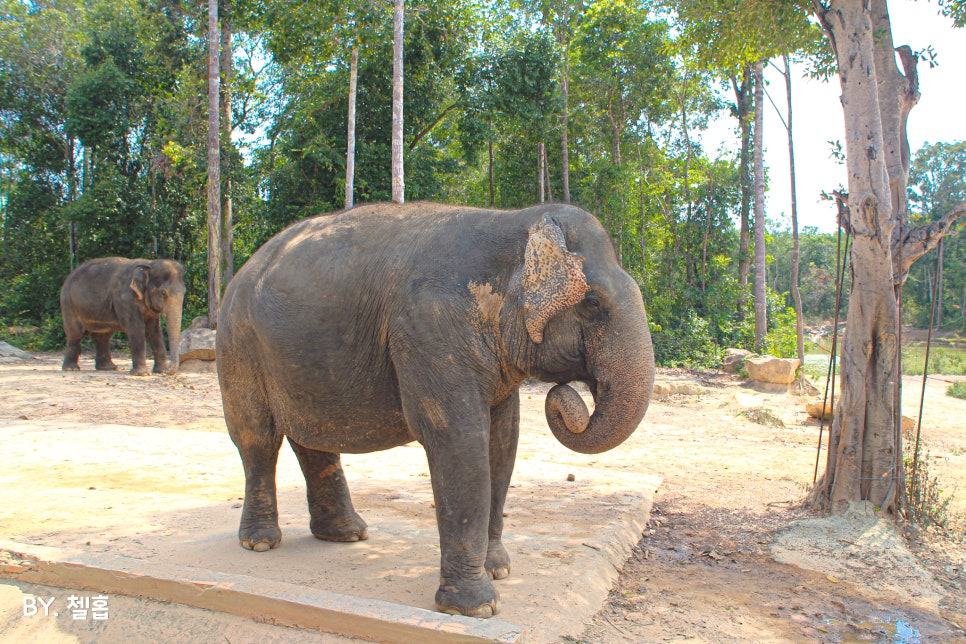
x,y
110,294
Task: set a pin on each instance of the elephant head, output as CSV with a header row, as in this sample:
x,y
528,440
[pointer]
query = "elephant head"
x,y
587,317
159,288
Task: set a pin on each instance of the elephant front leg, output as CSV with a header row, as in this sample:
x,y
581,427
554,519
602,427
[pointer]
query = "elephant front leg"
x,y
456,439
504,436
156,340
330,507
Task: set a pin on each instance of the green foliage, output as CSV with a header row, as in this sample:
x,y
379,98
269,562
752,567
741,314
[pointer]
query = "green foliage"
x,y
957,390
691,345
928,504
948,361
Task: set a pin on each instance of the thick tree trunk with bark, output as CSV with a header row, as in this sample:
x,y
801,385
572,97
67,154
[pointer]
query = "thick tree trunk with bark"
x,y
214,168
865,448
398,177
761,301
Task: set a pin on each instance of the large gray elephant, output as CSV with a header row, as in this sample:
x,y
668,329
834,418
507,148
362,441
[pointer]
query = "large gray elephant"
x,y
371,328
110,294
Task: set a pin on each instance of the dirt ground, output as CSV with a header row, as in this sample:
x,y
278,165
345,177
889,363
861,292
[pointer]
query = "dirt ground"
x,y
728,555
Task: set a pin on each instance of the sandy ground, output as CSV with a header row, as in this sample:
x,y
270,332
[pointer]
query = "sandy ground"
x,y
728,555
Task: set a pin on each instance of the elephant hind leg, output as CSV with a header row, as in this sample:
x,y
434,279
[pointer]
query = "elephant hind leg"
x,y
330,507
102,352
74,332
252,429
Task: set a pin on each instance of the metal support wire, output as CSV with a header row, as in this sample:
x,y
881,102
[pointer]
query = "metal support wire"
x,y
925,368
830,376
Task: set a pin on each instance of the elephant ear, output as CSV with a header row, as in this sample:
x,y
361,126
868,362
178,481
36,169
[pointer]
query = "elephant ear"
x,y
553,278
139,280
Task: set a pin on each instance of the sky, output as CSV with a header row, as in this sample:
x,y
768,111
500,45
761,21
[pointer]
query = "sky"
x,y
940,116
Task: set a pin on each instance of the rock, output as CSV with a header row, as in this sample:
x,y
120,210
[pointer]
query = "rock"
x,y
733,359
200,322
198,366
814,409
667,388
10,353
771,370
197,344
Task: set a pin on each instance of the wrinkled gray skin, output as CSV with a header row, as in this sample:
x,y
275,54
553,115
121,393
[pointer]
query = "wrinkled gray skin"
x,y
110,294
367,329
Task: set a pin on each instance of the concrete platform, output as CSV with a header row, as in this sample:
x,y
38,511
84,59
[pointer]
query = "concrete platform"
x,y
153,513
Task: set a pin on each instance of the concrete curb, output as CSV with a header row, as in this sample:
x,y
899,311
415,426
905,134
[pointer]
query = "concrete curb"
x,y
259,599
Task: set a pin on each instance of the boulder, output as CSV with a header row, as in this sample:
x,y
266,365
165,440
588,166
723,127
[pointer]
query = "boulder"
x,y
814,409
733,359
771,370
10,353
198,366
197,344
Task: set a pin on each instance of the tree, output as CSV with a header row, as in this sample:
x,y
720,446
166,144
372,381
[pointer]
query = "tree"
x,y
398,173
214,167
761,302
350,155
937,185
865,453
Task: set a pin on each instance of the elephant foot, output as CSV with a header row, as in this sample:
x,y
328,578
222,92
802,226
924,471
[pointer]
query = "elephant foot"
x,y
105,366
260,539
162,368
476,598
497,564
70,367
141,371
350,528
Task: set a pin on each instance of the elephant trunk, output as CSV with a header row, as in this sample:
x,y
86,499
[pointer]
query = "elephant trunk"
x,y
623,381
172,315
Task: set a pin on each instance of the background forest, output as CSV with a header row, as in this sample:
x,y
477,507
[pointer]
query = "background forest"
x,y
104,119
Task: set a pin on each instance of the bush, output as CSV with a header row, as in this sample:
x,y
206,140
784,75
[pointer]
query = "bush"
x,y
957,390
691,346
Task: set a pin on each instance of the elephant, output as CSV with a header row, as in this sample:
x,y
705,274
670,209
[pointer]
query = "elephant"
x,y
109,294
387,323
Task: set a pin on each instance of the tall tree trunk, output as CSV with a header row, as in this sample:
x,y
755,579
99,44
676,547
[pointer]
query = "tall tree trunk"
x,y
398,175
490,163
71,197
761,302
214,169
227,258
564,132
796,253
350,155
865,443
939,287
743,103
546,172
540,172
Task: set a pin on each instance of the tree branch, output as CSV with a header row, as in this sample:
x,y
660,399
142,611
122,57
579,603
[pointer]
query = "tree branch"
x,y
920,240
429,128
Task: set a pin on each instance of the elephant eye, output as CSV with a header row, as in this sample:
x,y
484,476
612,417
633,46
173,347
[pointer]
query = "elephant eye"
x,y
592,305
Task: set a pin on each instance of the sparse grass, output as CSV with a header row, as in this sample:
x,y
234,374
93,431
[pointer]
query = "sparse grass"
x,y
762,416
948,360
957,390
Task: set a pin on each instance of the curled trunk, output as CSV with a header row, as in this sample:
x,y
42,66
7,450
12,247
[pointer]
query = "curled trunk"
x,y
623,372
